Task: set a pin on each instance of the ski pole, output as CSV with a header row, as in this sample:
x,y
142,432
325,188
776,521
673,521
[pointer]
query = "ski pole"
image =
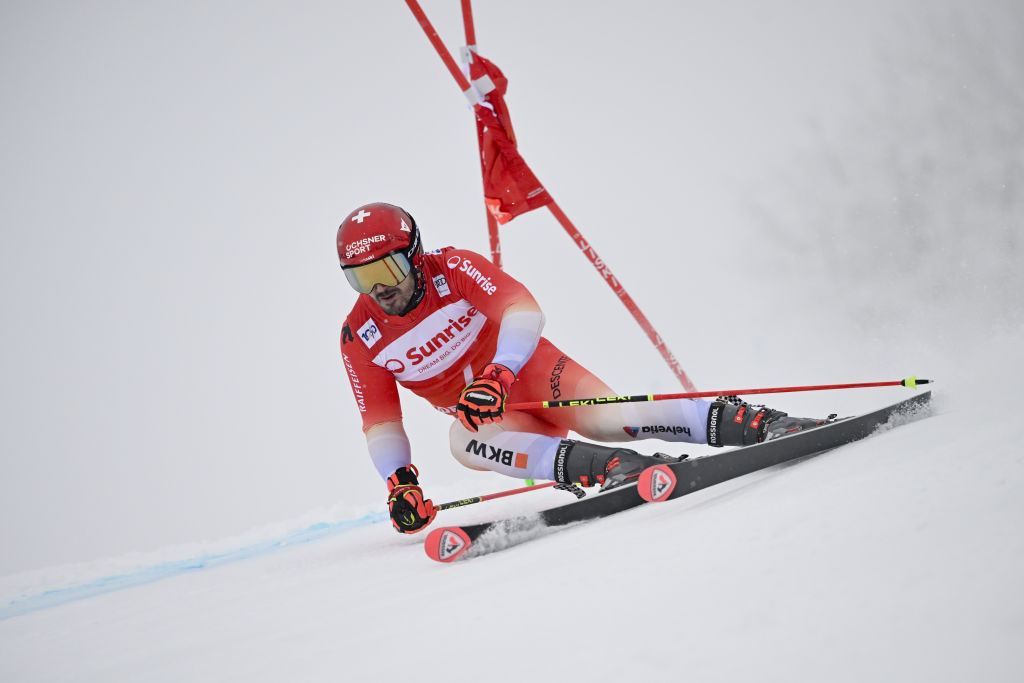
x,y
910,382
501,494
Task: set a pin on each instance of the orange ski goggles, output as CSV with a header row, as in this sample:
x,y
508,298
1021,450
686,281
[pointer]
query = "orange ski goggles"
x,y
388,271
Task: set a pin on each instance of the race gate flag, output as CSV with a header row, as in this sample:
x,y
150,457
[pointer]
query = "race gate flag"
x,y
510,187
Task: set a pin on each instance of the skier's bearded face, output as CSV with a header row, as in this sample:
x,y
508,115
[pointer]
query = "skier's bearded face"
x,y
395,299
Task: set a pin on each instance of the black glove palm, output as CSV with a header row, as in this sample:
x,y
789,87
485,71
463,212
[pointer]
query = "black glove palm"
x,y
410,512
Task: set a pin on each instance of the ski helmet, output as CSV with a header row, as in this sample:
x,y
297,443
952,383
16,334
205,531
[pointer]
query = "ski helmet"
x,y
378,243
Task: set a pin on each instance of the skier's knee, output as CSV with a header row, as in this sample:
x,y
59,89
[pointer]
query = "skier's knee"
x,y
460,438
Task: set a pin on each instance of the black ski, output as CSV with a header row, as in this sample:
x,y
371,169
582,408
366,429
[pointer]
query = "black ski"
x,y
446,544
665,482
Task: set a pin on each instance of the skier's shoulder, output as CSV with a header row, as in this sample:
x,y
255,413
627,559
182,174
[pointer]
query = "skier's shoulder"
x,y
451,258
454,262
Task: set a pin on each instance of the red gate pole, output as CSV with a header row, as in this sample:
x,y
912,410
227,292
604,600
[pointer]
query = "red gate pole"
x,y
467,21
620,292
476,99
493,235
442,51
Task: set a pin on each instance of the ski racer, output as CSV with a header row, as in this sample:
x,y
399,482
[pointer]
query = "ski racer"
x,y
456,330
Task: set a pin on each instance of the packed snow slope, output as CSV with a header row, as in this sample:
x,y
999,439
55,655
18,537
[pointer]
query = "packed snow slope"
x,y
802,194
895,558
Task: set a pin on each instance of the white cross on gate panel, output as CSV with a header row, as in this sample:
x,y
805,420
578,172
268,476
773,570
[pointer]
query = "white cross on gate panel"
x,y
361,216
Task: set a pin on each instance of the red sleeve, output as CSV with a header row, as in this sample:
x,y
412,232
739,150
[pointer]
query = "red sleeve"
x,y
373,387
491,290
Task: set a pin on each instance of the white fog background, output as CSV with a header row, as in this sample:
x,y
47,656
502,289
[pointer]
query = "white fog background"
x,y
794,192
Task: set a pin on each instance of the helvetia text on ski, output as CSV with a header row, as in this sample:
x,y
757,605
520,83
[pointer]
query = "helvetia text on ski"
x,y
664,482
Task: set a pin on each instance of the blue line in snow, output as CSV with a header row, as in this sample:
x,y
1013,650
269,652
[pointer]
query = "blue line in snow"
x,y
163,570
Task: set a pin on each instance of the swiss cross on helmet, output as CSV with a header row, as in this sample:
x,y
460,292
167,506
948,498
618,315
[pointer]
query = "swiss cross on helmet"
x,y
378,244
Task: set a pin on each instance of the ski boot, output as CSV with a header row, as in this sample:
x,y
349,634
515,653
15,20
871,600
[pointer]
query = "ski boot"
x,y
732,422
587,464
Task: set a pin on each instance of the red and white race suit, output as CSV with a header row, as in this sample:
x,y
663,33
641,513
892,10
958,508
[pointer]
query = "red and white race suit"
x,y
473,314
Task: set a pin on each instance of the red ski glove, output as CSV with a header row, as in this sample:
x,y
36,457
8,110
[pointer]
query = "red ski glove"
x,y
483,400
409,511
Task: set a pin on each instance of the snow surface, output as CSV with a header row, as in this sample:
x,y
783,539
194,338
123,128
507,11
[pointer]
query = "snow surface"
x,y
896,558
845,183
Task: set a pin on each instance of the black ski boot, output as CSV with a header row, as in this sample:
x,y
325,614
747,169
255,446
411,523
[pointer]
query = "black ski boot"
x,y
579,462
732,422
